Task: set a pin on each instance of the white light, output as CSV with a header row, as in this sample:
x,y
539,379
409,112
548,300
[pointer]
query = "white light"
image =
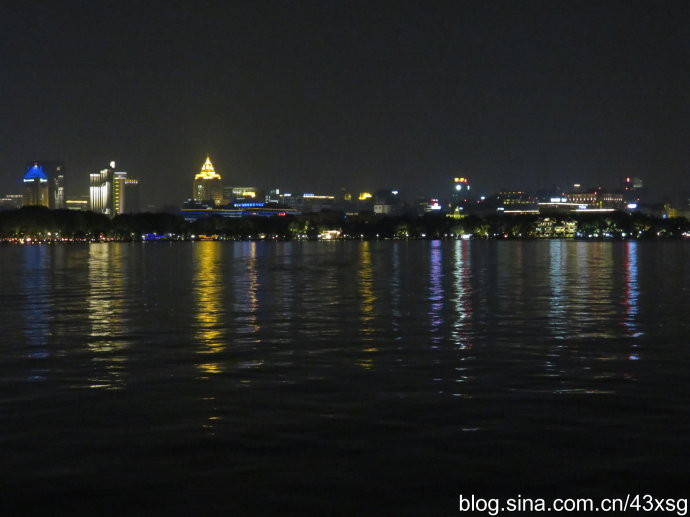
x,y
112,164
458,186
632,206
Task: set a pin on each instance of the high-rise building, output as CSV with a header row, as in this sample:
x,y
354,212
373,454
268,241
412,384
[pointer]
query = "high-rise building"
x,y
125,194
100,190
207,185
35,186
55,172
111,192
461,191
633,190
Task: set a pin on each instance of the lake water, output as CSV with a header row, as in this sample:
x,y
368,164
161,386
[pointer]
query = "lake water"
x,y
340,378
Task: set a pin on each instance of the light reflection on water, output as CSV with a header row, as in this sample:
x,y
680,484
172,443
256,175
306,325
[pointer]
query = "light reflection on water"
x,y
36,309
269,363
365,288
436,294
107,315
209,310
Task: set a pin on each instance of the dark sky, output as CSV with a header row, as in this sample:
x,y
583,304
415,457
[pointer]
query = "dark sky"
x,y
311,96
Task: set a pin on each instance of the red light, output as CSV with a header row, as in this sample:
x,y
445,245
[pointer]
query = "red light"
x,y
281,214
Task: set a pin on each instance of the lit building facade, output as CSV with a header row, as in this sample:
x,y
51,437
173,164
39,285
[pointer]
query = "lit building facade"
x,y
35,186
125,194
11,201
111,192
597,198
461,195
55,172
387,202
207,185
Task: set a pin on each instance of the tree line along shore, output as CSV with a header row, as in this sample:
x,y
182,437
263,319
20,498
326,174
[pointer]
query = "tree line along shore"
x,y
42,224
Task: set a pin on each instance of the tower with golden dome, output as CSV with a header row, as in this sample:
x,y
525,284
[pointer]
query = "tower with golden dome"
x,y
207,184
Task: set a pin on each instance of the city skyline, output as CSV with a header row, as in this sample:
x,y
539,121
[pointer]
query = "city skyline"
x,y
328,95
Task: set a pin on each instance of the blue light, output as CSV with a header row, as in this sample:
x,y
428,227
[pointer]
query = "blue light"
x,y
35,172
249,205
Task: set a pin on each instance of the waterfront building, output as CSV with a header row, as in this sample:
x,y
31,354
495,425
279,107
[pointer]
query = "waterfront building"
x,y
239,194
11,201
314,203
207,185
551,228
388,202
35,186
111,192
461,191
193,210
272,196
516,202
633,190
597,198
80,203
125,194
429,206
55,172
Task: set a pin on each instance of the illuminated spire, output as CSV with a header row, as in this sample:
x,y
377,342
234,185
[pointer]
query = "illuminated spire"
x,y
207,171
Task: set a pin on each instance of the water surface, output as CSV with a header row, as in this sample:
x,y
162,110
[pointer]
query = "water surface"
x,y
342,378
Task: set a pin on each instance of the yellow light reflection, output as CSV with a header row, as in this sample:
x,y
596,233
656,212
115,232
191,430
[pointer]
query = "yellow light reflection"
x,y
105,314
208,303
365,288
246,290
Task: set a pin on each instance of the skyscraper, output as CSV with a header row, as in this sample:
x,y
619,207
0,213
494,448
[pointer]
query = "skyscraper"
x,y
55,173
35,186
461,191
207,185
111,192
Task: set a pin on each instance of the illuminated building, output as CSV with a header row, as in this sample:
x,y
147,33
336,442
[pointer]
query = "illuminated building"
x,y
461,190
387,202
55,173
239,194
192,211
11,201
81,203
516,202
314,203
111,192
429,205
272,196
365,202
100,185
207,185
125,194
597,198
551,228
35,186
633,190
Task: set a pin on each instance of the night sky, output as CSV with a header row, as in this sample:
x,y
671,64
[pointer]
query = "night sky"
x,y
312,96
